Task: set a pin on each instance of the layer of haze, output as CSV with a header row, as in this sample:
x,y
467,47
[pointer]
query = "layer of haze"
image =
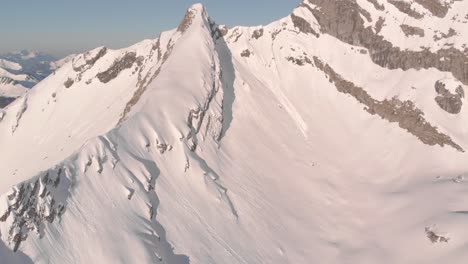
x,y
63,27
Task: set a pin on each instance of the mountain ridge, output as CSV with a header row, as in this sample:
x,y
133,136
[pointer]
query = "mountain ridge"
x,y
20,71
268,144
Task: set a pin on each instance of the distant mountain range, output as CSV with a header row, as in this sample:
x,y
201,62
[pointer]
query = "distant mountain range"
x,y
22,70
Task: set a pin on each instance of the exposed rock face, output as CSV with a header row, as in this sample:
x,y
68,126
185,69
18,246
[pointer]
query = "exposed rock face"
x,y
89,62
32,204
99,55
301,61
303,25
6,80
435,7
200,115
246,53
342,19
404,113
83,63
257,33
223,30
187,20
68,83
442,35
377,5
406,8
412,31
434,238
143,82
119,65
451,103
379,25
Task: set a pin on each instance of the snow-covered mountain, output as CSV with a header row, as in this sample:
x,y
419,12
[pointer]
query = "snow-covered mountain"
x,y
20,71
37,65
334,135
12,82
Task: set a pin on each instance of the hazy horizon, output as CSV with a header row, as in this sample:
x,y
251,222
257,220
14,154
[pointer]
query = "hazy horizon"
x,y
62,28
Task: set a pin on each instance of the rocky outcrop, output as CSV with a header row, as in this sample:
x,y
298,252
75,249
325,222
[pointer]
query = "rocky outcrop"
x,y
449,102
404,113
163,147
90,61
258,33
435,238
406,8
83,63
435,7
68,83
377,5
303,25
209,115
412,31
245,53
32,204
7,80
442,35
187,20
342,19
301,61
126,62
143,82
379,25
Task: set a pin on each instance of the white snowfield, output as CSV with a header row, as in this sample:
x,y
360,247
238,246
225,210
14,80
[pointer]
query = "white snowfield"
x,y
12,90
216,145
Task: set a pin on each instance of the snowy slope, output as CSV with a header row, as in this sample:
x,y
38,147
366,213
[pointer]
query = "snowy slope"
x,y
22,70
295,142
54,65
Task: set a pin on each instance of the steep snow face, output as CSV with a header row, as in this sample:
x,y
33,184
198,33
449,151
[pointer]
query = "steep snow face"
x,y
301,141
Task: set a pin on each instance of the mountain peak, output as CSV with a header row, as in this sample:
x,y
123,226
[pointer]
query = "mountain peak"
x,y
196,11
197,7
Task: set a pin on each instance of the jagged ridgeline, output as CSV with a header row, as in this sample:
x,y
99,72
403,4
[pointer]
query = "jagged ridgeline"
x,y
320,137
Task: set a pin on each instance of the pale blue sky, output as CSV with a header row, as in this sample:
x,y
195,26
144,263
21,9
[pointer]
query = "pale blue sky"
x,y
62,27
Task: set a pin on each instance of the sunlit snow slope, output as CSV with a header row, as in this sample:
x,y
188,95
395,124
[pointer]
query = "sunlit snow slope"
x,y
22,70
324,137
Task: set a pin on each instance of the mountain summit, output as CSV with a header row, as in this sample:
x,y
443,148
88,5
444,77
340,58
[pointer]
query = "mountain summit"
x,y
319,138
